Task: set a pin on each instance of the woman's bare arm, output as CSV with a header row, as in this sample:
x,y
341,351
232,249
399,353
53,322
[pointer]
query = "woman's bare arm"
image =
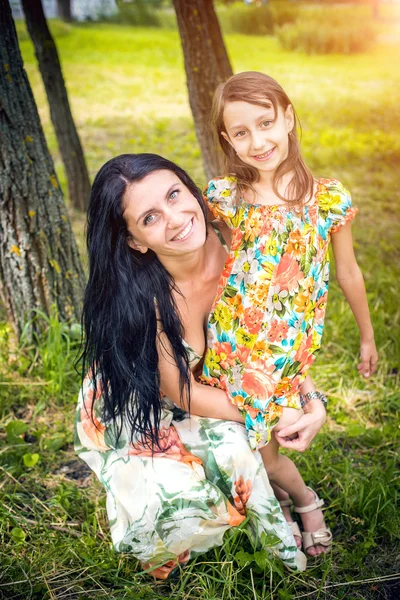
x,y
205,401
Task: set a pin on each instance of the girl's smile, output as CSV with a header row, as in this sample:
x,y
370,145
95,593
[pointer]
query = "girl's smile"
x,y
266,156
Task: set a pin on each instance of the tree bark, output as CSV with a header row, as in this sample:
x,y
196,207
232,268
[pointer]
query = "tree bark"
x,y
39,261
60,112
207,65
64,10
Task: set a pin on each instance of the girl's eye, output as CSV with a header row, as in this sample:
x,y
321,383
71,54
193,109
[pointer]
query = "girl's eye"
x,y
148,219
266,123
173,194
240,134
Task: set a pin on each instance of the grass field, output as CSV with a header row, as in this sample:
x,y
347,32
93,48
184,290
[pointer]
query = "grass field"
x,y
128,94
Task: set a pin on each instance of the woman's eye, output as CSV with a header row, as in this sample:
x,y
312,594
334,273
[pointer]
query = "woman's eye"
x,y
148,219
240,134
173,194
266,123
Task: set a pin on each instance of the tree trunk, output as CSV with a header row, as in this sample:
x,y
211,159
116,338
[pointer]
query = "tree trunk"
x,y
67,136
39,261
206,64
64,10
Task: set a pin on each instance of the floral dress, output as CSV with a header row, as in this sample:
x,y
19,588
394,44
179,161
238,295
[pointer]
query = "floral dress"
x,y
173,505
266,323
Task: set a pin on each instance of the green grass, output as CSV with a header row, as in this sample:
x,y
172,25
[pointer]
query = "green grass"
x,y
128,94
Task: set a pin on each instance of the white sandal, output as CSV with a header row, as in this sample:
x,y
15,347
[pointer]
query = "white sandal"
x,y
321,537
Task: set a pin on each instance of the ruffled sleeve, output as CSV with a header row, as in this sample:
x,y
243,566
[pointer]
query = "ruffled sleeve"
x,y
220,196
335,204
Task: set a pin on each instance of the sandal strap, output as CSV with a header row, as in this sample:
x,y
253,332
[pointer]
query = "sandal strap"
x,y
321,537
310,507
295,529
285,502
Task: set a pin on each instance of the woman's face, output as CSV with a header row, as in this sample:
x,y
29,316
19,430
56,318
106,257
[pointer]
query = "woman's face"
x,y
162,215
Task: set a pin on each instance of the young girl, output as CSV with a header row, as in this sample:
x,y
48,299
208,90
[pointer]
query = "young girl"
x,y
266,324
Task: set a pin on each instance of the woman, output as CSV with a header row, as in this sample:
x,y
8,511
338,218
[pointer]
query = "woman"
x,y
174,483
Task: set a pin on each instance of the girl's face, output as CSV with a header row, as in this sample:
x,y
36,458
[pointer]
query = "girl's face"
x,y
259,136
162,215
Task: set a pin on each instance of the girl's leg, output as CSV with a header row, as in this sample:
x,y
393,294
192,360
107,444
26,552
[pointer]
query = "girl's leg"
x,y
283,473
281,495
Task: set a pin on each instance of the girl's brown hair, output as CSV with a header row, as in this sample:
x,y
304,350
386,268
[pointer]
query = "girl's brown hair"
x,y
260,89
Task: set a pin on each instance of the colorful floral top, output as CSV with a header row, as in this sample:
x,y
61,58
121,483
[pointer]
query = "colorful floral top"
x,y
266,323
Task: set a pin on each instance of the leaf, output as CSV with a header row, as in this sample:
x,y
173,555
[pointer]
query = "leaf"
x,y
30,460
88,541
290,369
311,252
39,587
235,324
243,558
269,540
54,443
261,559
277,349
14,430
230,291
17,535
280,362
215,437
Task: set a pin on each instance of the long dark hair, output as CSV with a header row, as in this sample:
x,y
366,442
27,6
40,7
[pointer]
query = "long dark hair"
x,y
119,314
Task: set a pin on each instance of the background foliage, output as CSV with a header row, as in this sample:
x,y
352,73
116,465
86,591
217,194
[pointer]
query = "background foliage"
x,y
128,94
312,27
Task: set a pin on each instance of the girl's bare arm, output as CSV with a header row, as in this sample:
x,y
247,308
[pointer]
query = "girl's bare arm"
x,y
351,282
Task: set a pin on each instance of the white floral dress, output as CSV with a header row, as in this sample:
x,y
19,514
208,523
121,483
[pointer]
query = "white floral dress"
x,y
178,503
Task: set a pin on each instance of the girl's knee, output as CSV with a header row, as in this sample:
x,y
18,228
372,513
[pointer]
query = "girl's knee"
x,y
270,457
289,417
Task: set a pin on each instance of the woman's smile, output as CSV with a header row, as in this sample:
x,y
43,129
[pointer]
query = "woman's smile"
x,y
162,215
185,233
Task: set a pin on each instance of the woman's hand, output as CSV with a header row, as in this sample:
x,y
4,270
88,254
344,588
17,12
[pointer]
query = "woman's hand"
x,y
306,427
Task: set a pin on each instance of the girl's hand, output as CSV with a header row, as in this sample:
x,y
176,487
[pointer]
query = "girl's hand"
x,y
306,427
369,358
